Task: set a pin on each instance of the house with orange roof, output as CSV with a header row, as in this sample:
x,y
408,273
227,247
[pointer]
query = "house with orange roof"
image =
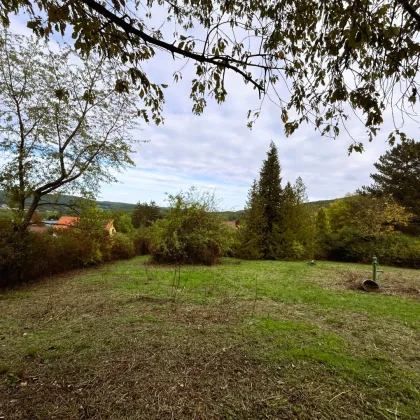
x,y
66,222
231,223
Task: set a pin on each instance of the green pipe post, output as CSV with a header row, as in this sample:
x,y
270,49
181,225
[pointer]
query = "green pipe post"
x,y
375,266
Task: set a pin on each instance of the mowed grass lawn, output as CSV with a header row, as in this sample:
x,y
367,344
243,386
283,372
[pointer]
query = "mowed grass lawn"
x,y
240,340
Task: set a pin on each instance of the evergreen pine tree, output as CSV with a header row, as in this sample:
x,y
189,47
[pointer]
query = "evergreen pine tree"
x,y
276,223
145,214
399,175
270,196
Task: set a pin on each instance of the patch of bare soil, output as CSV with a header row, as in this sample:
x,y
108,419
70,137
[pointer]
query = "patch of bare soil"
x,y
392,282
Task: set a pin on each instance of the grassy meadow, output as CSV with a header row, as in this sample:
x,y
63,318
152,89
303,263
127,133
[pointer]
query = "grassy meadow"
x,y
239,340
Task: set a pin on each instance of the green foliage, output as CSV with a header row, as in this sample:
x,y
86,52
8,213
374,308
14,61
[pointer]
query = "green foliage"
x,y
6,214
373,43
192,233
122,247
53,216
297,251
64,129
399,176
27,256
124,224
252,227
145,214
397,249
363,226
263,216
323,228
367,214
122,220
298,232
92,220
323,231
276,223
231,215
141,238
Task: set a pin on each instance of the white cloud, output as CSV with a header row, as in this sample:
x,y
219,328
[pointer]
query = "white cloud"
x,y
217,151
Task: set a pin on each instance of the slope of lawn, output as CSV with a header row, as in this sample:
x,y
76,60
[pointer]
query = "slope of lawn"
x,y
241,340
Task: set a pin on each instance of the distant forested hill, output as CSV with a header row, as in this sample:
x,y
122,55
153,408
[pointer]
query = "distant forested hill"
x,y
66,199
316,205
115,205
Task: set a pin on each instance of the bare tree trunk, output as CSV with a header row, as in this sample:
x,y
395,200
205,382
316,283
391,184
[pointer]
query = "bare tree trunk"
x,y
31,211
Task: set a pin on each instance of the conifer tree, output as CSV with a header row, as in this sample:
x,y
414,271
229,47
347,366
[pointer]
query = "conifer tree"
x,y
145,214
276,224
399,175
270,195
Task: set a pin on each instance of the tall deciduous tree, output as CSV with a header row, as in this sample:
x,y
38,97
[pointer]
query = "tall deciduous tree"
x,y
252,227
124,224
368,215
64,126
298,229
300,190
323,231
330,58
399,175
323,228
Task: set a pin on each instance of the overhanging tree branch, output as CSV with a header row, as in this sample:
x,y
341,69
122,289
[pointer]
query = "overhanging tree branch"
x,y
410,10
222,61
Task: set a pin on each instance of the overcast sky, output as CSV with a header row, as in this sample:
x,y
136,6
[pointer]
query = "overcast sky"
x,y
217,151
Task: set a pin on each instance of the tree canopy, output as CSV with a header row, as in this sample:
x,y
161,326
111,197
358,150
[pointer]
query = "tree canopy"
x,y
368,215
319,61
64,128
276,223
192,232
399,175
145,214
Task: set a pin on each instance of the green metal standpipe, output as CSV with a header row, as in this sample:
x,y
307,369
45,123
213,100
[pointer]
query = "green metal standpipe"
x,y
374,266
373,285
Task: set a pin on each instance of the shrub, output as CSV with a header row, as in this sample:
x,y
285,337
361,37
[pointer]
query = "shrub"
x,y
297,251
122,247
27,256
191,233
123,223
392,249
399,250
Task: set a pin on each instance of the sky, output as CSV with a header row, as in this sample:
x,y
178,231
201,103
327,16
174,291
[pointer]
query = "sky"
x,y
217,152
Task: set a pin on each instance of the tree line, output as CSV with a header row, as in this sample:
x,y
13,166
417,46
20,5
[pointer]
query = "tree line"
x,y
382,218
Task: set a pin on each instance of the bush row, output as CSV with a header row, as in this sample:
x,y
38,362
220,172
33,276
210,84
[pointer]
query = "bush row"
x,y
27,256
348,245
